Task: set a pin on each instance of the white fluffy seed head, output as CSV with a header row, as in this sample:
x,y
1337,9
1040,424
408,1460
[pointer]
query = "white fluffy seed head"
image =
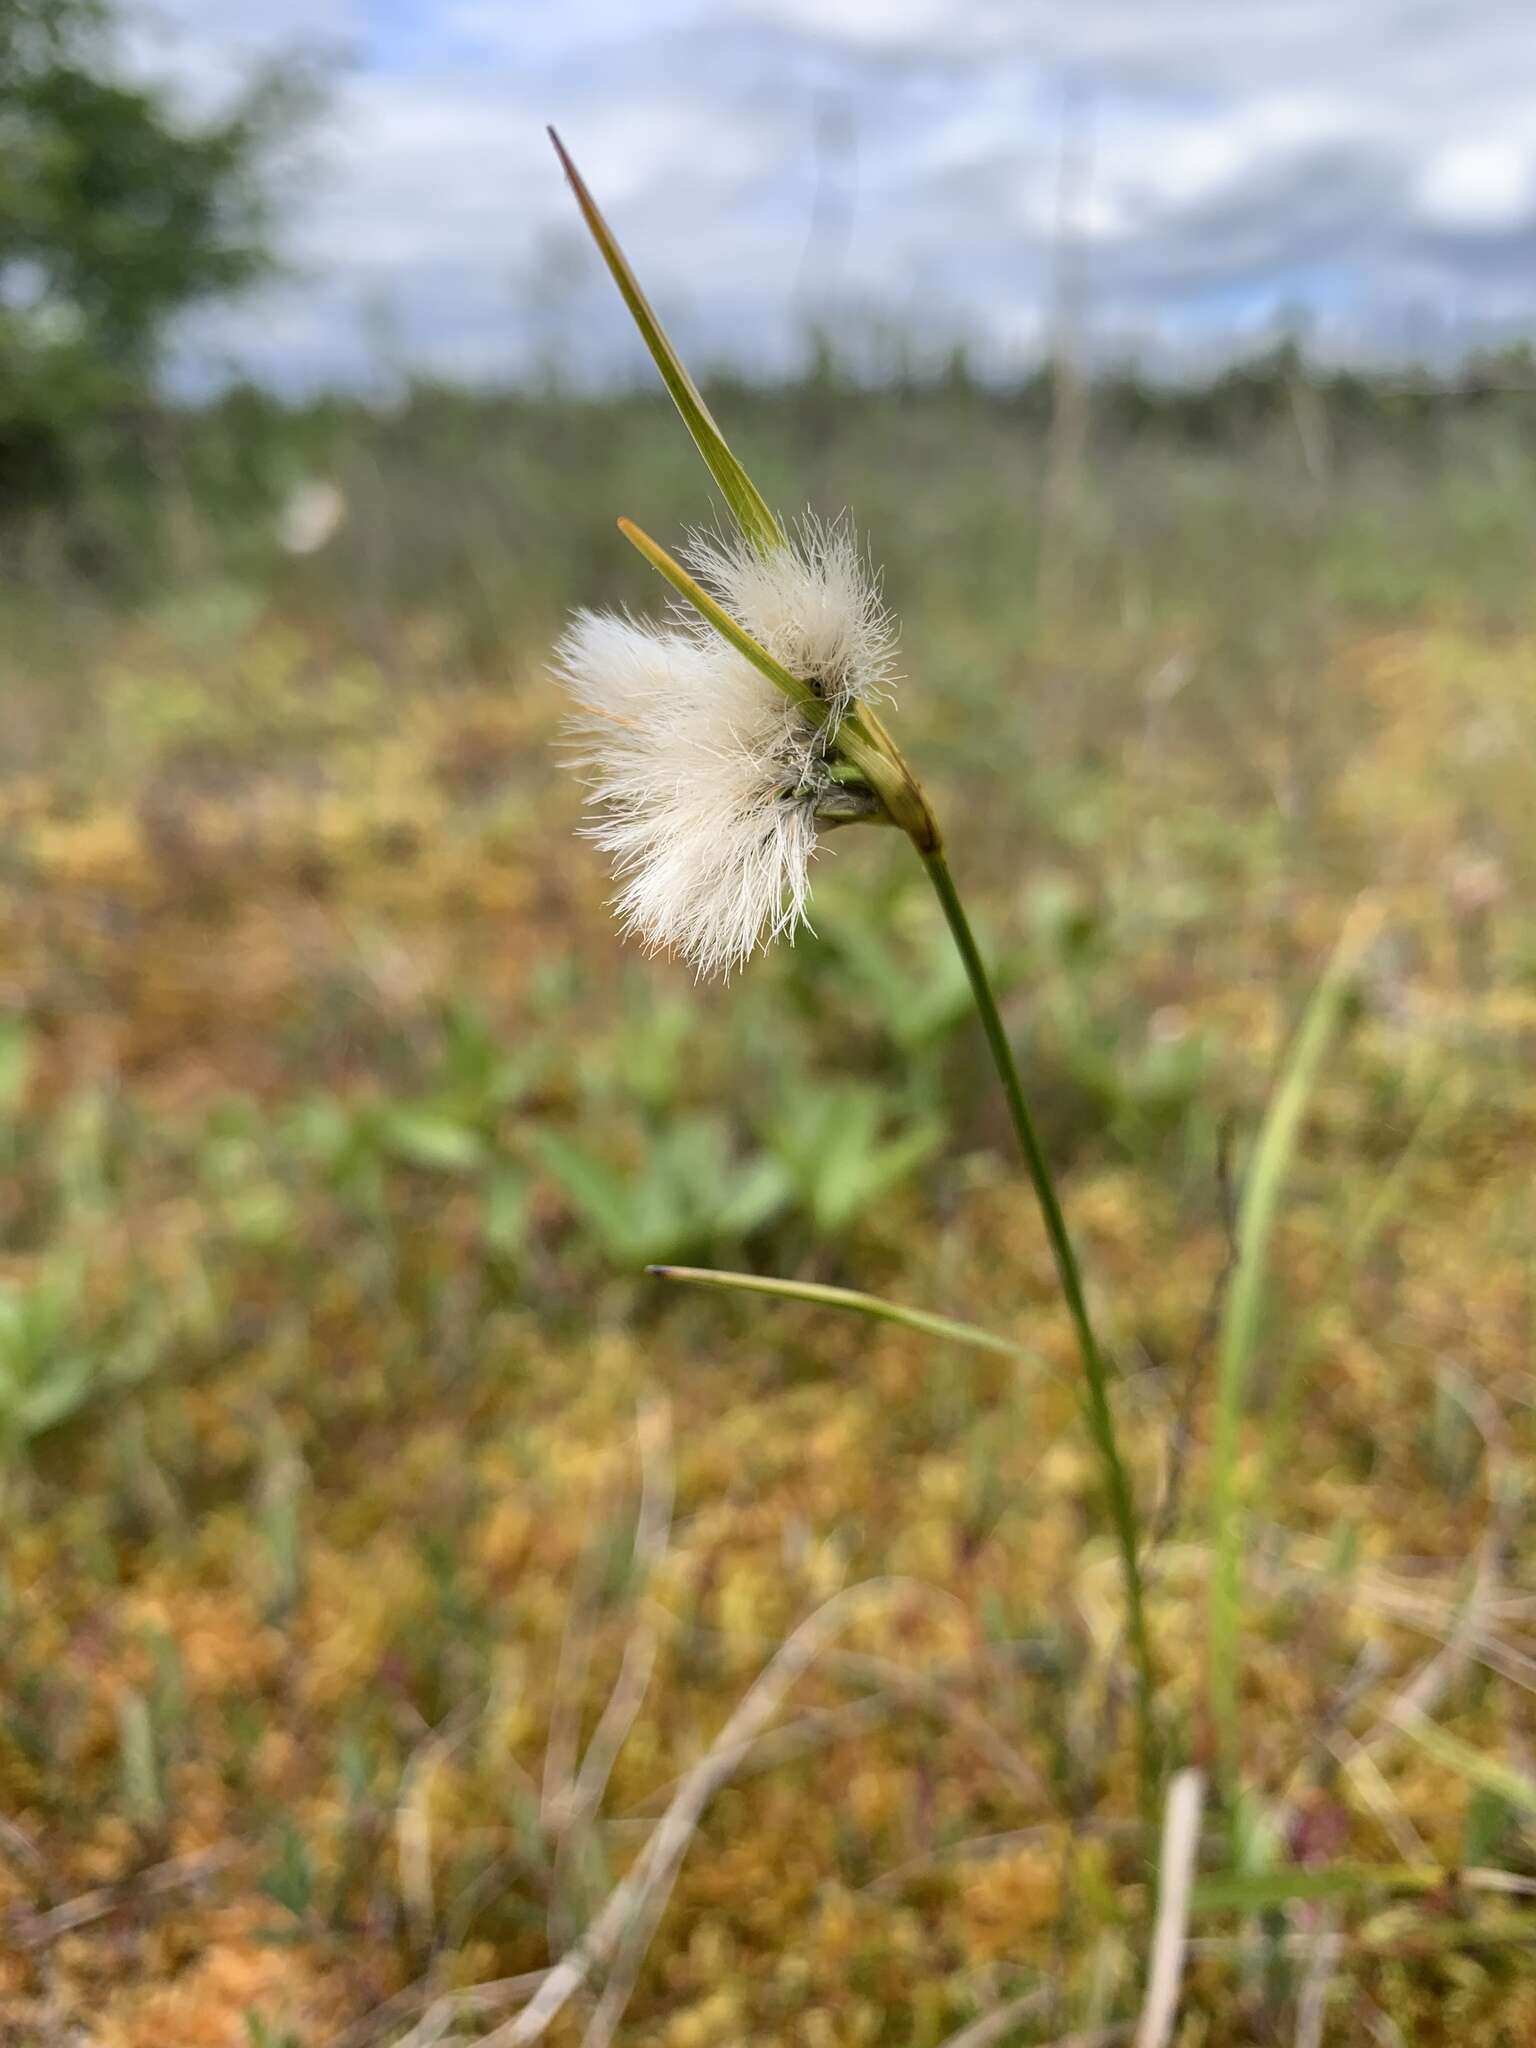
x,y
815,605
706,781
706,777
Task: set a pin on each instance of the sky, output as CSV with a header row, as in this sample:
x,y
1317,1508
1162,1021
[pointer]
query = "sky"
x,y
1175,179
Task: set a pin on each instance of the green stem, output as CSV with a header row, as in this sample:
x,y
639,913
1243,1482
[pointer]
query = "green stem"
x,y
1095,1390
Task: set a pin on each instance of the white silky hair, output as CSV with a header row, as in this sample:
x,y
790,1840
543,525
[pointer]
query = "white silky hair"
x,y
814,604
705,776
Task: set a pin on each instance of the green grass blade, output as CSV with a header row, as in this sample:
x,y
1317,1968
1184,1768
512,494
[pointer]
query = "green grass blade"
x,y
1257,1891
1514,1787
695,594
1241,1310
748,506
849,1298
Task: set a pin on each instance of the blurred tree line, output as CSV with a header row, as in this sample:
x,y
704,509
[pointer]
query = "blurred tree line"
x,y
119,212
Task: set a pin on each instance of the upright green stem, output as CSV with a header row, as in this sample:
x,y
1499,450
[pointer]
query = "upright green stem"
x,y
1095,1390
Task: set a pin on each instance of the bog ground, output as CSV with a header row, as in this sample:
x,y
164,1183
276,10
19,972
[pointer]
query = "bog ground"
x,y
383,1549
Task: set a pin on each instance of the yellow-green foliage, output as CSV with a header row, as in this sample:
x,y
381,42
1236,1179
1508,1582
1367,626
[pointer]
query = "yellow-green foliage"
x,y
334,1123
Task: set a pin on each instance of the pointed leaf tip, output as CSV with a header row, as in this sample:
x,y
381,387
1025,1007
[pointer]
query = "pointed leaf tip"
x,y
748,507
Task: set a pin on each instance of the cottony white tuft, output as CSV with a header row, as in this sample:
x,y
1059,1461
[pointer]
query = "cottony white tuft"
x,y
708,778
815,605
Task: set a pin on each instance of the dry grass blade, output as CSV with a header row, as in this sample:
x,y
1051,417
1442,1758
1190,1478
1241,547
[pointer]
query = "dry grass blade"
x,y
1366,1775
413,1821
968,1724
614,1939
1176,1865
562,1742
996,2025
584,1785
1486,1772
980,1849
37,1930
1408,1713
1316,1986
653,1529
477,2001
19,1847
1095,2037
793,1739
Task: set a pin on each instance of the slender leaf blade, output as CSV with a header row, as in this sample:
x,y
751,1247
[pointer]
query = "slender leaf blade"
x,y
694,593
1256,1891
821,1296
1488,1773
748,506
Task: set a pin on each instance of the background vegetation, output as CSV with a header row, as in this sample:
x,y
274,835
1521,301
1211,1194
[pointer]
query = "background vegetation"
x,y
381,1549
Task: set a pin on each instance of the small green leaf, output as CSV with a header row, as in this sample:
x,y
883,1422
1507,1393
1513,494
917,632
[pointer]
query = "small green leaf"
x,y
70,1382
425,1138
15,1064
760,1190
290,1881
748,506
505,1213
139,1762
1489,1820
831,1138
600,1197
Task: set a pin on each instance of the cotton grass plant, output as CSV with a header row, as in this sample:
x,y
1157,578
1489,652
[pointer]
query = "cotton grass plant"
x,y
711,781
720,746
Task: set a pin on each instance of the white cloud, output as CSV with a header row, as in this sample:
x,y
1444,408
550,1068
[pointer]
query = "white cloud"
x,y
1371,162
1480,186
